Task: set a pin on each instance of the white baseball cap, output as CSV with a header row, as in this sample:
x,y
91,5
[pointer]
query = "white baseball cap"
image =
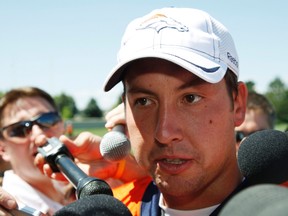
x,y
188,37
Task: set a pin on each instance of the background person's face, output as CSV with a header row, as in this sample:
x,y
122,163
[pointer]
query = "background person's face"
x,y
20,151
255,120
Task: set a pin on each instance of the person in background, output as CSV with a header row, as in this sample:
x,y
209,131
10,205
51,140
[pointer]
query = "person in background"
x,y
182,101
69,129
25,113
260,115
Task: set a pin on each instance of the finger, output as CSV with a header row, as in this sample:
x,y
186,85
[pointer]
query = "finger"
x,y
114,120
101,169
40,140
46,169
39,162
7,200
115,111
5,212
54,175
84,147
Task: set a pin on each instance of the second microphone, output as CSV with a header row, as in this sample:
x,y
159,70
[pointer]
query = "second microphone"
x,y
115,145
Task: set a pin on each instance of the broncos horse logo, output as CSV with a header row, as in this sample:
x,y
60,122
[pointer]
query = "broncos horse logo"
x,y
160,21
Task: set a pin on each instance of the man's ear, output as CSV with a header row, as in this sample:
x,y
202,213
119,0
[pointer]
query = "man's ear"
x,y
240,103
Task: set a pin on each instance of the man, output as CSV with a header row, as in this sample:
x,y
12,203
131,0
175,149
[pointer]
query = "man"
x,y
179,69
26,113
260,115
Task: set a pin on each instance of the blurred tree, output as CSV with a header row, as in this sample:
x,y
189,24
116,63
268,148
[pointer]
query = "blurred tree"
x,y
66,112
92,109
66,105
278,95
250,86
283,108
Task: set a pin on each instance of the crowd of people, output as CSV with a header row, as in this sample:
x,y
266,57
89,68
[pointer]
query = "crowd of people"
x,y
182,105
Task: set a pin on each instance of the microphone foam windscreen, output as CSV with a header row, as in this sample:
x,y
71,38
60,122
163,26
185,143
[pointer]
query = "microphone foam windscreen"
x,y
263,157
95,205
259,200
90,186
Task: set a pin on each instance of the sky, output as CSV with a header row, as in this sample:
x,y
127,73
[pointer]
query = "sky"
x,y
69,46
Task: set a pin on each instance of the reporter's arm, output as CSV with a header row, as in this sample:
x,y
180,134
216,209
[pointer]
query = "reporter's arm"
x,y
85,149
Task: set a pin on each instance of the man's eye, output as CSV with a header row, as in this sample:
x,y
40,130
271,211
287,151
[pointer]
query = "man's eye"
x,y
192,98
142,101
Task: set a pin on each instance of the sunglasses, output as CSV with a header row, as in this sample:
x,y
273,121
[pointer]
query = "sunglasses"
x,y
23,128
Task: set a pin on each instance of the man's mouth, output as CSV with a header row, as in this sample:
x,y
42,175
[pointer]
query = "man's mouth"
x,y
176,161
173,166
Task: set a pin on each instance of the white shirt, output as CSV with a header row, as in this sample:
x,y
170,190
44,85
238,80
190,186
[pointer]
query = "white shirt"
x,y
25,194
173,212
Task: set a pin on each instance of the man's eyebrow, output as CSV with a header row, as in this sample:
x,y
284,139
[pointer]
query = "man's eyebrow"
x,y
192,82
135,90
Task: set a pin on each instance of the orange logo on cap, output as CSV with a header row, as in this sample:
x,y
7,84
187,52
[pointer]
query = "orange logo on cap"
x,y
160,21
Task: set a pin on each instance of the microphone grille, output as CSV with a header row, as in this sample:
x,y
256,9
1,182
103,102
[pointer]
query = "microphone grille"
x,y
114,146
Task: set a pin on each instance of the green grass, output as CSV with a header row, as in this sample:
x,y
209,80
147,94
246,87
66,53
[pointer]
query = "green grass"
x,y
98,131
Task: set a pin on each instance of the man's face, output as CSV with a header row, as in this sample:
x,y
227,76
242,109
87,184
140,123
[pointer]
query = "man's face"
x,y
181,128
20,151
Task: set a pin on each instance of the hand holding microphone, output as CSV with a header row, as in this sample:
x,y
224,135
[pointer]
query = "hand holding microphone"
x,y
60,159
96,197
115,145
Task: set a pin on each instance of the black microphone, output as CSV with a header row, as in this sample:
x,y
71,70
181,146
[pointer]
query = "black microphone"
x,y
115,145
263,157
258,200
60,159
95,205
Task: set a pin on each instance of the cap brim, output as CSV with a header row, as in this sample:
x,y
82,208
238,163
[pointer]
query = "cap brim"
x,y
207,69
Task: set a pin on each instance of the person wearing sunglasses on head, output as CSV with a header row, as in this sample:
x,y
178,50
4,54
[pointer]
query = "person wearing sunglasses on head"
x,y
260,115
24,114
